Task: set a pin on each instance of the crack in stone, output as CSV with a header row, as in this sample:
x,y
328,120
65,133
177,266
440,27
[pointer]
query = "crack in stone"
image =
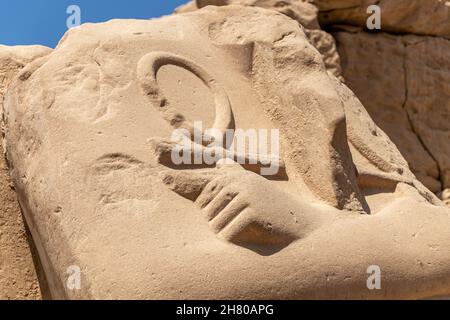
x,y
408,116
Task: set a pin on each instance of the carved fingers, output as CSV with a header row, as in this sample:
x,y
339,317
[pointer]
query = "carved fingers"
x,y
242,207
200,185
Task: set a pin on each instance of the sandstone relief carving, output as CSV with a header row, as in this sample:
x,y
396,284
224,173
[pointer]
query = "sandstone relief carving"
x,y
147,71
389,72
99,187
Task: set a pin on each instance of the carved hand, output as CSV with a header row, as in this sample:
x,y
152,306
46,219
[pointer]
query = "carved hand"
x,y
245,208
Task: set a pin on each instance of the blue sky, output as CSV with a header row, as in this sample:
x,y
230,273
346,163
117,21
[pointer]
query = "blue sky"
x,y
24,22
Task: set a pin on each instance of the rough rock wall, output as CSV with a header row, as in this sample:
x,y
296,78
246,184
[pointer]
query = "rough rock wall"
x,y
421,17
403,83
18,279
402,80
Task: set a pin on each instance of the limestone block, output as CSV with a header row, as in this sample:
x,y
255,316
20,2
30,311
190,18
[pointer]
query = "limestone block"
x,y
88,127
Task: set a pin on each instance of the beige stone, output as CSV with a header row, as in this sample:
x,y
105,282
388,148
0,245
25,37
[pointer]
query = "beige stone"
x,y
446,196
303,12
421,17
89,126
18,278
402,81
428,100
17,274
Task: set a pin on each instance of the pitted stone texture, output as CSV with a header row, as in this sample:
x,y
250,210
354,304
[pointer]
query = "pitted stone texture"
x,y
445,196
18,278
82,125
303,12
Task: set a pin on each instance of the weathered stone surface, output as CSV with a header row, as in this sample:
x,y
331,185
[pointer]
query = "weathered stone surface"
x,y
14,59
17,274
421,17
87,127
427,71
303,12
326,45
403,83
445,196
